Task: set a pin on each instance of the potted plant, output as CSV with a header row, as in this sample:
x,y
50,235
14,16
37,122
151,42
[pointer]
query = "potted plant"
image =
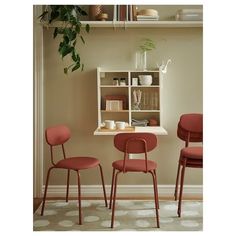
x,y
70,31
141,55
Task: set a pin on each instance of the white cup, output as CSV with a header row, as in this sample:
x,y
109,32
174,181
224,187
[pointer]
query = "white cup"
x,y
120,125
134,81
110,124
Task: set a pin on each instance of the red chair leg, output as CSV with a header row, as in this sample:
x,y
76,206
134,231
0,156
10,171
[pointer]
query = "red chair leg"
x,y
154,171
114,200
68,183
79,199
177,182
155,197
112,184
181,187
45,191
103,185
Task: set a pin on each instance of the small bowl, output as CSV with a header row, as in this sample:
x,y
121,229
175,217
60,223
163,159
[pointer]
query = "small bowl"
x,y
145,80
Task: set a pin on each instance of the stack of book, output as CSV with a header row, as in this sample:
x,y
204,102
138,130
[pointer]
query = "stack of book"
x,y
189,15
147,15
147,18
139,122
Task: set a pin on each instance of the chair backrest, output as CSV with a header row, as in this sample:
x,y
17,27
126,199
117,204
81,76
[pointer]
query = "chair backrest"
x,y
190,128
134,142
57,135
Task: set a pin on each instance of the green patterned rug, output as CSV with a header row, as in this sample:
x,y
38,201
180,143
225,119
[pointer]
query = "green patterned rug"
x,y
130,215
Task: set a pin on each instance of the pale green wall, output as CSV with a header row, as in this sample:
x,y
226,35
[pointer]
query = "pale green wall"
x,y
72,99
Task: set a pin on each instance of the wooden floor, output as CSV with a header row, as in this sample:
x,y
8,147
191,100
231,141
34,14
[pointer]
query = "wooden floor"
x,y
37,201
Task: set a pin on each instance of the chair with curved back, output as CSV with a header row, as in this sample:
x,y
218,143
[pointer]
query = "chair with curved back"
x,y
134,143
58,135
190,129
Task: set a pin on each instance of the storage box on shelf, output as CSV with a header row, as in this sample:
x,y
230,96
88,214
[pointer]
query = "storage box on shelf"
x,y
136,104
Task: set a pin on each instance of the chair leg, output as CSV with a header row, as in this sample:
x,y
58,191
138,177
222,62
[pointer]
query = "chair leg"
x,y
181,187
155,197
79,199
103,185
154,171
114,200
68,183
45,191
112,184
177,182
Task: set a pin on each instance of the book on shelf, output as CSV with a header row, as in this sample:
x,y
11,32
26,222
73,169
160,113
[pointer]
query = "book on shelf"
x,y
147,18
124,13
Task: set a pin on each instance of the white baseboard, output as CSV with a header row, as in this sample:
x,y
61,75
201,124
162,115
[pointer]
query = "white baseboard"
x,y
123,190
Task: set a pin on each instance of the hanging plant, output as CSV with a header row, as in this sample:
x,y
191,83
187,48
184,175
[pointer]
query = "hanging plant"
x,y
70,31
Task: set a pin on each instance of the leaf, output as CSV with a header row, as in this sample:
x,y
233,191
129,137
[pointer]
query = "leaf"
x,y
76,67
66,70
82,39
66,39
74,43
55,33
66,50
74,58
82,68
77,28
87,27
54,15
42,15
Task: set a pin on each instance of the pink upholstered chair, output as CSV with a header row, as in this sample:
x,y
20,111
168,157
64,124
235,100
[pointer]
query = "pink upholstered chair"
x,y
132,143
58,135
190,129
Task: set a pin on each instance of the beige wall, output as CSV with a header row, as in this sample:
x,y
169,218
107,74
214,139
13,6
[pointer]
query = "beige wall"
x,y
72,99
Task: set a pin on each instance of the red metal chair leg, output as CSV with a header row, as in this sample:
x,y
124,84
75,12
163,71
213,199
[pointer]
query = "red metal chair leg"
x,y
114,200
103,185
79,199
45,191
112,184
177,182
155,197
181,187
155,175
68,184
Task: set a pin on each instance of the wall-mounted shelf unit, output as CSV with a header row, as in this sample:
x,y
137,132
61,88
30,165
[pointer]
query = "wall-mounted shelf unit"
x,y
150,105
134,24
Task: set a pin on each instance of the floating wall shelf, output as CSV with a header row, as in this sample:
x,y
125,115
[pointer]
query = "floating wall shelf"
x,y
134,24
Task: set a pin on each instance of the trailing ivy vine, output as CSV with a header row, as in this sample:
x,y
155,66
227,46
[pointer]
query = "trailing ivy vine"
x,y
70,32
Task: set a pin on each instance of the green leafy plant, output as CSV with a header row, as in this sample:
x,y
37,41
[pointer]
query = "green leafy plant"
x,y
70,31
147,45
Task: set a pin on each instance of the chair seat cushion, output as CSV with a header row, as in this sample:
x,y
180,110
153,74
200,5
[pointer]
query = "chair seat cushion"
x,y
78,163
134,165
192,152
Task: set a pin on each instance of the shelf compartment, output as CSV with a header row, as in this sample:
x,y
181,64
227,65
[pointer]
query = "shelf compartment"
x,y
150,99
146,116
107,78
154,74
118,116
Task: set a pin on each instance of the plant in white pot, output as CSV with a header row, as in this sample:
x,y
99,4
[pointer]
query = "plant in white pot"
x,y
141,55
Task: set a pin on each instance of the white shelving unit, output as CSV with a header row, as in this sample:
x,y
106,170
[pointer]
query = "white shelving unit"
x,y
151,102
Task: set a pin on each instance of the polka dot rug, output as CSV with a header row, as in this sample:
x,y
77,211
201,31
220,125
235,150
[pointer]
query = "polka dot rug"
x,y
130,215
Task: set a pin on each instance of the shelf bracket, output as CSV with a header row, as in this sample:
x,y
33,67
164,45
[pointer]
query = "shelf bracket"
x,y
114,25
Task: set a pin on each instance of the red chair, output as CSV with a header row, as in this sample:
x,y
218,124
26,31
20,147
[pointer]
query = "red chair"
x,y
190,129
133,143
58,135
